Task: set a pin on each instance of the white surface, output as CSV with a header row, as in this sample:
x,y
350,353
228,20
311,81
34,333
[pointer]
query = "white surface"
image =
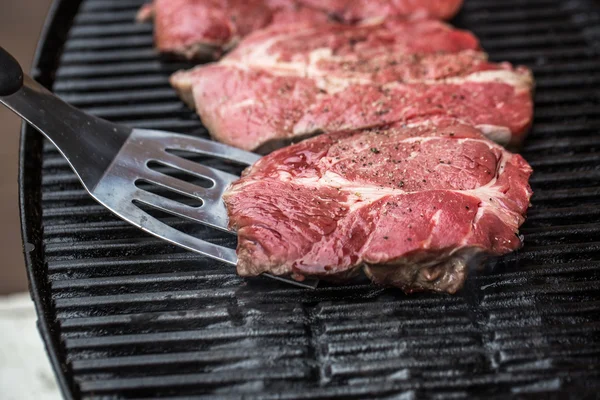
x,y
25,372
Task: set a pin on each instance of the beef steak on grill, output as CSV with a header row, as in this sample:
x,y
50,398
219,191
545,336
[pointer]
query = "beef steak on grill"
x,y
378,51
286,83
206,29
361,53
412,206
356,10
499,103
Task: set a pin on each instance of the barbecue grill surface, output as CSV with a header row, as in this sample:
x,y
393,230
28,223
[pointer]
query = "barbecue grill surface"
x,y
126,316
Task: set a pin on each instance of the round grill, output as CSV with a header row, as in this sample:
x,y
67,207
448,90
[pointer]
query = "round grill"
x,y
126,316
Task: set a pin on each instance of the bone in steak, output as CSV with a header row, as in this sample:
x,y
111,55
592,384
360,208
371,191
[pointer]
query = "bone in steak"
x,y
413,207
287,83
205,29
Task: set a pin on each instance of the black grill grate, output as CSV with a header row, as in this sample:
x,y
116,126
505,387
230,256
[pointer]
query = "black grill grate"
x,y
126,316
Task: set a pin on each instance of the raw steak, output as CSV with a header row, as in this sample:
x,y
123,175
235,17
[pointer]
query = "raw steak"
x,y
347,51
287,83
356,10
249,109
413,207
384,52
206,29
499,103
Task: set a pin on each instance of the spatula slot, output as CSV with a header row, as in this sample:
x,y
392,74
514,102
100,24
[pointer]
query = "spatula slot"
x,y
168,193
181,175
232,167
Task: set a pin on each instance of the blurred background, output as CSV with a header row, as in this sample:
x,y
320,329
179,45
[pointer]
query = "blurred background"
x,y
25,372
20,25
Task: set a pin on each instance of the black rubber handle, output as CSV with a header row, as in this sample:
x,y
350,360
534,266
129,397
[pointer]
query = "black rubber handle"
x,y
11,74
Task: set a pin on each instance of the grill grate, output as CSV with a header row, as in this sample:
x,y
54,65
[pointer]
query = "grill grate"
x,y
126,316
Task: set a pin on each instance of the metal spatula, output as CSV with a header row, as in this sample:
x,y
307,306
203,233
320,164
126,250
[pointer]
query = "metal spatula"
x,y
111,160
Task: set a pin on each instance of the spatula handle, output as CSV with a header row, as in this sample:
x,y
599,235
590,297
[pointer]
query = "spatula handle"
x,y
11,74
87,142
